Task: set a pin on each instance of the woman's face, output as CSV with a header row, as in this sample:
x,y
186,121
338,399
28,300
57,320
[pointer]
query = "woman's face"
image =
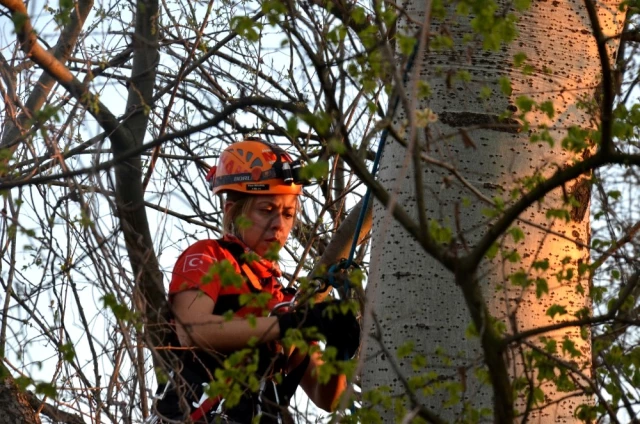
x,y
272,218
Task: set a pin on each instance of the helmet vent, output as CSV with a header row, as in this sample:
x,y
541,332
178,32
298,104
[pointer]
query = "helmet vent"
x,y
255,163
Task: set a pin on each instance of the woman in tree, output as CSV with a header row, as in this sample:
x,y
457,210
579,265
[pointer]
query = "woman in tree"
x,y
221,294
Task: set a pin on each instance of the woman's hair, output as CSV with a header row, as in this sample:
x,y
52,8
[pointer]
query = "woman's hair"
x,y
242,204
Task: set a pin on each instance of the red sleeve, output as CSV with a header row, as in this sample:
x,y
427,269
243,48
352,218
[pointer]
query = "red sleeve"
x,y
194,264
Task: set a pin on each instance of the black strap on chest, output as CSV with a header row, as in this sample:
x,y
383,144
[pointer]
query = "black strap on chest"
x,y
231,302
291,381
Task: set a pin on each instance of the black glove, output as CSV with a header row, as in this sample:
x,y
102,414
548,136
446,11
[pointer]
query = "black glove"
x,y
341,330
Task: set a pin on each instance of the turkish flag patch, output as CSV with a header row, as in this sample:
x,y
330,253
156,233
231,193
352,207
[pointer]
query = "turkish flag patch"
x,y
196,261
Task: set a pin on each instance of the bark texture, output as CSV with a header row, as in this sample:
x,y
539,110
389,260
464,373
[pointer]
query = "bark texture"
x,y
412,296
14,405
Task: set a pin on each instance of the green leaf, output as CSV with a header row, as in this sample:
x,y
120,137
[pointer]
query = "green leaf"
x,y
577,139
225,272
550,345
462,9
439,233
541,287
583,313
483,376
542,265
120,311
513,256
253,322
406,44
505,85
441,42
405,349
273,252
471,331
569,346
525,104
337,146
492,251
424,89
614,194
587,413
519,58
464,76
22,382
538,396
520,279
597,293
516,233
315,170
521,5
564,383
46,389
559,213
418,362
292,127
246,27
242,222
250,257
490,213
68,351
556,310
19,19
274,9
358,15
547,108
485,93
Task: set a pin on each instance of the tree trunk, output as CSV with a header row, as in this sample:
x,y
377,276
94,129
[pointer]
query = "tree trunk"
x,y
14,405
412,296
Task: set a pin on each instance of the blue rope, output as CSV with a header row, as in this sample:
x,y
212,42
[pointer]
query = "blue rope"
x,y
365,202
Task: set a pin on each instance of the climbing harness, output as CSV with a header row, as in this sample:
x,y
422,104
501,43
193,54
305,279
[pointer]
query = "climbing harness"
x,y
281,393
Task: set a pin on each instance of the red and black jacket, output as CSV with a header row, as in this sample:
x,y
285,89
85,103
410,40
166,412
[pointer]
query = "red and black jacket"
x,y
197,269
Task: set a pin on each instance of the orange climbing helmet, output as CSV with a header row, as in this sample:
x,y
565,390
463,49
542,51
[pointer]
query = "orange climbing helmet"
x,y
256,167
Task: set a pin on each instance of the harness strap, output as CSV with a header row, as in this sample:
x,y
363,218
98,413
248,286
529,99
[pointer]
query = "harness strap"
x,y
237,251
203,409
291,381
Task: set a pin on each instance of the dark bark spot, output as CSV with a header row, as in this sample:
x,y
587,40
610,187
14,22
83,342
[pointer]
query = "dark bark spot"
x,y
482,120
581,191
579,242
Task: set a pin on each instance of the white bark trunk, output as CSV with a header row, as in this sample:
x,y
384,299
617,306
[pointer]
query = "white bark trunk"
x,y
414,297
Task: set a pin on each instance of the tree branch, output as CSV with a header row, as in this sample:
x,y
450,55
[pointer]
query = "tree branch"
x,y
606,103
55,68
56,414
64,48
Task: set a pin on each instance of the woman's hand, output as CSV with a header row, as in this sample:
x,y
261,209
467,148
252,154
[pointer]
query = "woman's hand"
x,y
340,329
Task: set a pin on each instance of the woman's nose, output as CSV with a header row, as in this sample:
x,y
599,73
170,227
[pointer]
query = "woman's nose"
x,y
277,220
